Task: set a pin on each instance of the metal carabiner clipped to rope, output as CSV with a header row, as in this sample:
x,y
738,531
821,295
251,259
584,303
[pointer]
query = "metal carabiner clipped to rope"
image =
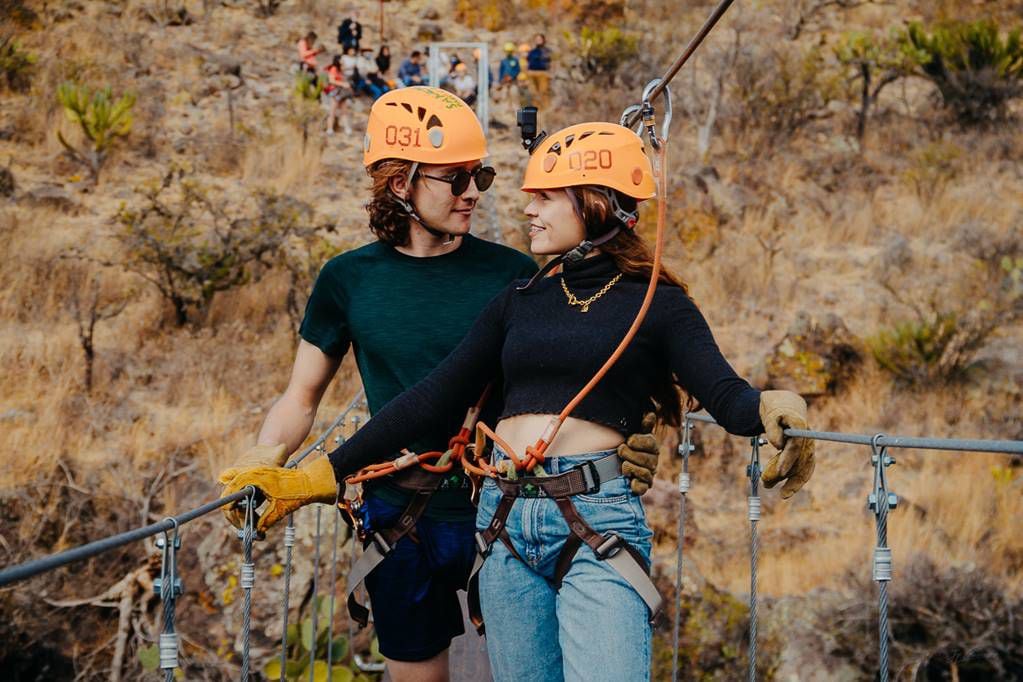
x,y
647,110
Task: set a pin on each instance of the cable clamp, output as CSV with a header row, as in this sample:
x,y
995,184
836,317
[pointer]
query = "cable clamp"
x,y
289,536
882,564
168,650
248,575
683,482
754,507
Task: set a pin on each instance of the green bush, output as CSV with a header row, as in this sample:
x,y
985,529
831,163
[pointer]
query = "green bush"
x,y
15,63
101,119
976,71
305,103
601,52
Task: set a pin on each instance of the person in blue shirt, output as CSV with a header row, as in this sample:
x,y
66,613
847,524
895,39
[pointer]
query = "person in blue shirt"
x,y
538,64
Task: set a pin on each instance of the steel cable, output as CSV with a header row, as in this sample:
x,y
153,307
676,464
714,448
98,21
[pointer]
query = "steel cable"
x,y
753,472
684,448
248,576
289,544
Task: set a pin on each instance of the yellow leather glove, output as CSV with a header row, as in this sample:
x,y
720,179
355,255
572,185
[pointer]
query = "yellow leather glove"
x,y
639,456
287,489
780,410
258,455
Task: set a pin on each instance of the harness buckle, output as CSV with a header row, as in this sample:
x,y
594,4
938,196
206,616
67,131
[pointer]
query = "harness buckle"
x,y
482,546
611,545
591,477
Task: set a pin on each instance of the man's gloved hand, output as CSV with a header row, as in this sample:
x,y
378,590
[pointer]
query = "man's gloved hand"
x,y
287,489
259,455
780,410
639,456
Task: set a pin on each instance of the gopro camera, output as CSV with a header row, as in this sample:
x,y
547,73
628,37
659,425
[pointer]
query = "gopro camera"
x,y
526,118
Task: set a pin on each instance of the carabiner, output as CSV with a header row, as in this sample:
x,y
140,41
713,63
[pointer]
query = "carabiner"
x,y
665,118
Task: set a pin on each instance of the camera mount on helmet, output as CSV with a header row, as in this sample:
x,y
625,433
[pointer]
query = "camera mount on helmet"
x,y
527,119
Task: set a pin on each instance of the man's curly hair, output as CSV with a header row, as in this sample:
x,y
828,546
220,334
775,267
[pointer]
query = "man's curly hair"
x,y
387,218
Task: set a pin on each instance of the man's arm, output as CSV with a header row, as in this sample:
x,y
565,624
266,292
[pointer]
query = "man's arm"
x,y
291,417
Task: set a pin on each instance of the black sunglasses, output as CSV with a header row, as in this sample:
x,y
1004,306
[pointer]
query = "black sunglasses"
x,y
459,180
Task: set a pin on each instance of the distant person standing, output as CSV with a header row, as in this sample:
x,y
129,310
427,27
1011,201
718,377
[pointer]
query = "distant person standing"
x,y
307,52
508,72
339,90
411,70
349,33
538,64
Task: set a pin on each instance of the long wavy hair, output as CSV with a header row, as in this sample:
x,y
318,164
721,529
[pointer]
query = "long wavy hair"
x,y
633,257
387,219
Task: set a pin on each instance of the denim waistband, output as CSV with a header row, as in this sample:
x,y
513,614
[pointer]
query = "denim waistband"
x,y
561,463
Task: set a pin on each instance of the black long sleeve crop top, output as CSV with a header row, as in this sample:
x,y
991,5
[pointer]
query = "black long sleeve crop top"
x,y
547,350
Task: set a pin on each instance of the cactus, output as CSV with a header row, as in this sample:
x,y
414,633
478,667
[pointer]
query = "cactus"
x,y
302,639
101,120
976,71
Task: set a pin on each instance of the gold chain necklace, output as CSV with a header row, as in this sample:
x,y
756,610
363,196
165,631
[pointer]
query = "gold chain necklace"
x,y
573,300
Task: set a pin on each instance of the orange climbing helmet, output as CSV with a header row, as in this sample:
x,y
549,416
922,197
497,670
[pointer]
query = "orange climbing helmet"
x,y
425,125
598,153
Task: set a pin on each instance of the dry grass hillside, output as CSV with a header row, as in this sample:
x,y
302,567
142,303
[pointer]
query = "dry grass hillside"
x,y
880,274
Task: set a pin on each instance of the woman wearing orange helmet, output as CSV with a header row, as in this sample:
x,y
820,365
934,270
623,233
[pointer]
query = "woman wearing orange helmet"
x,y
564,550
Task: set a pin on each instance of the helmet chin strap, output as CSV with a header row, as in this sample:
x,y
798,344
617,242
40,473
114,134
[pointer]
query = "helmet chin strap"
x,y
410,208
583,248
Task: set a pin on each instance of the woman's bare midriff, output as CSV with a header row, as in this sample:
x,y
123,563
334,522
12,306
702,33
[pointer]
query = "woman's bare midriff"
x,y
575,437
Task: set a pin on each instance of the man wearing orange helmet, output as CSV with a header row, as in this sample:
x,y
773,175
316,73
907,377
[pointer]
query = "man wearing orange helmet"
x,y
402,303
564,552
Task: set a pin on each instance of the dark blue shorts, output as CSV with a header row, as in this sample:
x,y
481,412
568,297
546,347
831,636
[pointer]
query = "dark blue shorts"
x,y
413,592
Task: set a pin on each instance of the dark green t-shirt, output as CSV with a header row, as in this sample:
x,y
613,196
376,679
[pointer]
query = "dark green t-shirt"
x,y
402,315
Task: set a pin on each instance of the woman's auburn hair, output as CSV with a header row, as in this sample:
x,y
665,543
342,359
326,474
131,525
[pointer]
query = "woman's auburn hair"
x,y
388,219
633,257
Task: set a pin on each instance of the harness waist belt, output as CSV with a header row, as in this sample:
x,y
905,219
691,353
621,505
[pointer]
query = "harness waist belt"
x,y
584,479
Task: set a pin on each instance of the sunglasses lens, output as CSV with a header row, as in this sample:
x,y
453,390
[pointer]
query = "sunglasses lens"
x,y
460,182
485,178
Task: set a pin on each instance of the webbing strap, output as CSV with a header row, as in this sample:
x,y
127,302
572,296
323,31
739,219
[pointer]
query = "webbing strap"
x,y
379,544
628,563
484,541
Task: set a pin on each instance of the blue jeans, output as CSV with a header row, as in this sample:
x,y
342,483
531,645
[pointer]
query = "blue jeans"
x,y
596,627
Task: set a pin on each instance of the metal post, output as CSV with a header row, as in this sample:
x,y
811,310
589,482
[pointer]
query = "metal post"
x,y
753,473
684,448
880,501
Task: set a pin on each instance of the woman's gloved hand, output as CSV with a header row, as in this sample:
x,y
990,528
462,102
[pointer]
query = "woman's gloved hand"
x,y
258,455
639,456
780,410
286,489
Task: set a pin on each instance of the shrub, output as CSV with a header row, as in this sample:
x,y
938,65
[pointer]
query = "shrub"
x,y
932,167
947,623
780,91
306,109
100,119
190,245
15,63
976,71
601,52
875,62
941,345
